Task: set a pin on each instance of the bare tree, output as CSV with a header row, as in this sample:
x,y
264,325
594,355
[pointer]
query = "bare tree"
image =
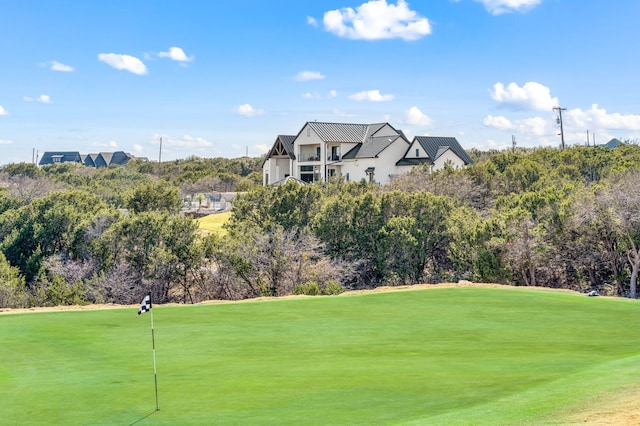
x,y
623,199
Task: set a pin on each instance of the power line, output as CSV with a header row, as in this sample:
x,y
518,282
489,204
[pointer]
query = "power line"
x,y
559,121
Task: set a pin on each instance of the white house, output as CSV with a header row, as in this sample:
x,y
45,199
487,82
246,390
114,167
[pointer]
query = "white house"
x,y
374,152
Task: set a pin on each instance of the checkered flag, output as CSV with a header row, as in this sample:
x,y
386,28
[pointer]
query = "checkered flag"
x,y
145,305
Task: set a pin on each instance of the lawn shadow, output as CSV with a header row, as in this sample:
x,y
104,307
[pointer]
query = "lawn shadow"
x,y
141,419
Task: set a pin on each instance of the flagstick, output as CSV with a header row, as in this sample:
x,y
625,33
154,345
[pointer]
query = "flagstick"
x,y
153,344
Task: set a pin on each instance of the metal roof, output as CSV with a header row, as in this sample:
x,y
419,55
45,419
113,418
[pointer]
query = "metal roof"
x,y
61,156
340,132
435,146
287,144
374,146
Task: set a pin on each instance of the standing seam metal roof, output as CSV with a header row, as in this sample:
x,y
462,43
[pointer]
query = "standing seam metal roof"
x,y
432,145
340,132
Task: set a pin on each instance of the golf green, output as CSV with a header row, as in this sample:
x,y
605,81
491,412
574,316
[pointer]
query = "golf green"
x,y
463,355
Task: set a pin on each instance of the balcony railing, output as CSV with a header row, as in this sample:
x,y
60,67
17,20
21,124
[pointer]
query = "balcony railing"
x,y
315,157
309,157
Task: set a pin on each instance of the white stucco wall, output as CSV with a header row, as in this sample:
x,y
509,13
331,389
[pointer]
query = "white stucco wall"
x,y
448,156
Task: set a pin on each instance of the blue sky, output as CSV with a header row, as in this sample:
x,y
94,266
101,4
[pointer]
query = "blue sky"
x,y
223,78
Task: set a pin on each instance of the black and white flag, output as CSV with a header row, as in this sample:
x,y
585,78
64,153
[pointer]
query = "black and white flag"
x,y
145,305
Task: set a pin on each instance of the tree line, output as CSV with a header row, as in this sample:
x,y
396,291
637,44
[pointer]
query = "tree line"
x,y
536,217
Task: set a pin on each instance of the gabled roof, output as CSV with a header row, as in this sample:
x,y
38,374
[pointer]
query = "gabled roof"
x,y
341,132
371,147
106,156
290,179
435,146
60,157
282,146
364,135
613,143
120,158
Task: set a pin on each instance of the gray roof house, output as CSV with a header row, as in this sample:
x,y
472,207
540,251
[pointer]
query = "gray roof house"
x,y
374,152
102,159
56,157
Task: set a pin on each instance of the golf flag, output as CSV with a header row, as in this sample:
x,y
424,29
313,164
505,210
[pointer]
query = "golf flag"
x,y
145,305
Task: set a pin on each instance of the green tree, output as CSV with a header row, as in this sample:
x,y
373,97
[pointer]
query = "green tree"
x,y
13,292
154,196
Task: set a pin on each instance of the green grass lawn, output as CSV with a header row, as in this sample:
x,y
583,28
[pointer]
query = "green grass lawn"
x,y
214,222
435,356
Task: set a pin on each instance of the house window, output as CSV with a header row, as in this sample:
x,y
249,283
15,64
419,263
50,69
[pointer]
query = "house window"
x,y
306,173
335,153
332,172
417,152
266,179
347,177
370,173
318,152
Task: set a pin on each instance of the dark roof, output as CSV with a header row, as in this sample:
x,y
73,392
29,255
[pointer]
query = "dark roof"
x,y
613,143
435,146
413,161
287,143
51,157
119,158
371,147
102,159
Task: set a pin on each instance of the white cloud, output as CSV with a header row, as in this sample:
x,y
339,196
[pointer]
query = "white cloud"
x,y
498,122
5,142
312,21
308,75
248,111
262,148
43,99
531,96
341,113
3,111
375,20
371,96
110,144
176,54
57,66
309,95
123,62
498,7
185,141
536,126
599,118
415,117
188,141
137,148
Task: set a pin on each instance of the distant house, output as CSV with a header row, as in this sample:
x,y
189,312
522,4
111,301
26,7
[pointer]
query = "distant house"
x,y
613,143
56,157
102,159
374,152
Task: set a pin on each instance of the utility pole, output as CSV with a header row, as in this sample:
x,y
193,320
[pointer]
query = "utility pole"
x,y
513,143
559,121
587,138
160,158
